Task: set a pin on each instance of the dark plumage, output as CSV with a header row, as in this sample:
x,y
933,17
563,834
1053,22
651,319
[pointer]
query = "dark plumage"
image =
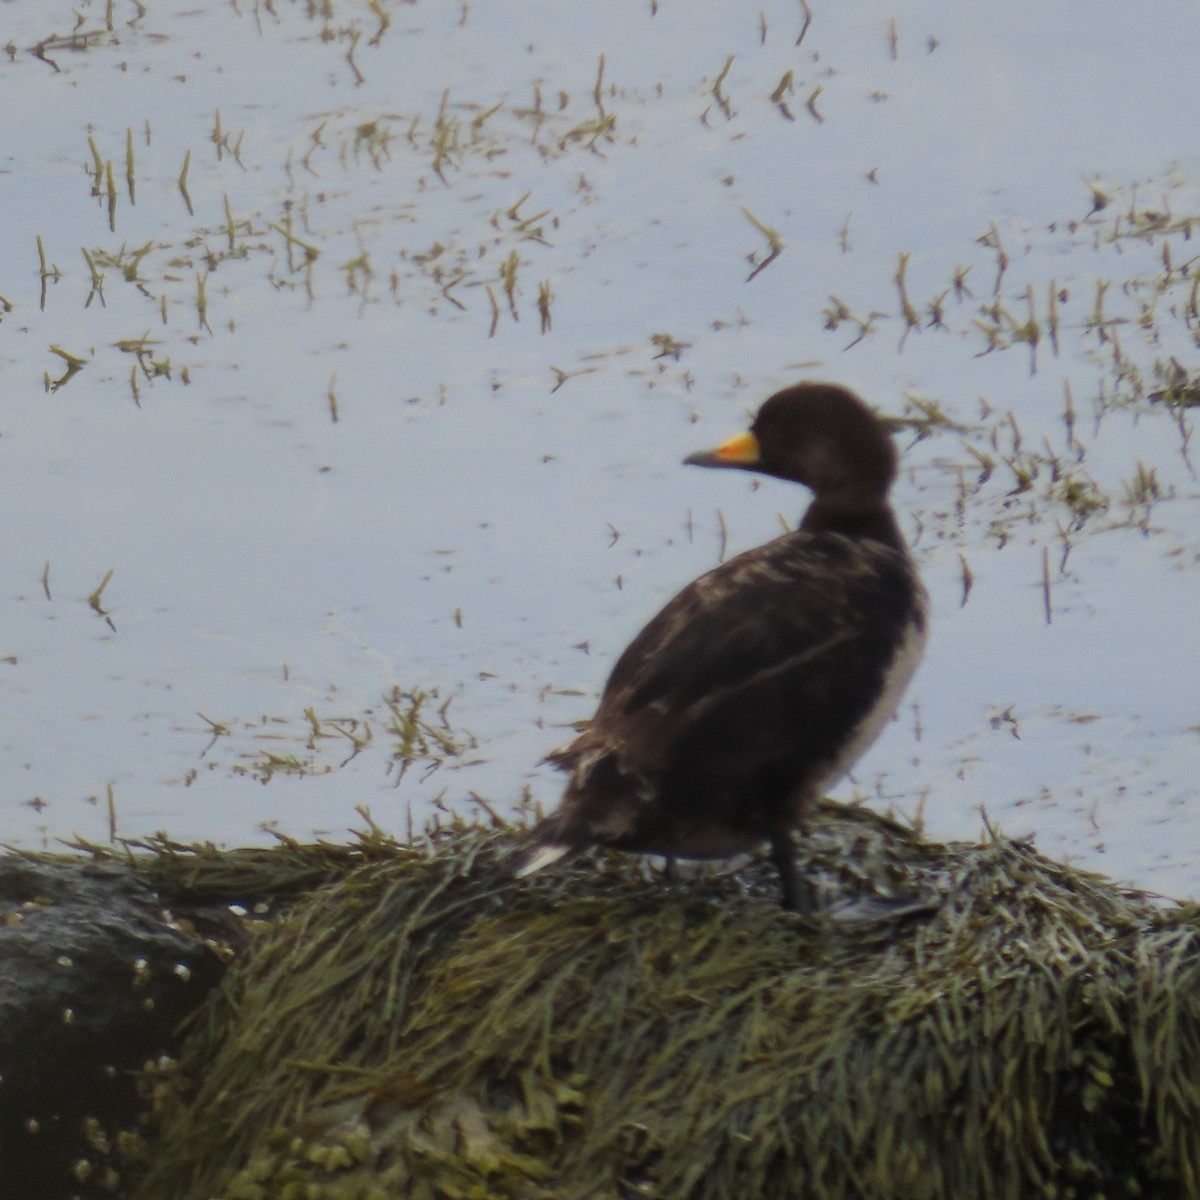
x,y
764,680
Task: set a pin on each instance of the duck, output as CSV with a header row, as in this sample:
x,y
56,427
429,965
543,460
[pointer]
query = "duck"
x,y
763,681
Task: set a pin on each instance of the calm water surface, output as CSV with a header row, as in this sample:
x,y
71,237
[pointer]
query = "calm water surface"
x,y
398,406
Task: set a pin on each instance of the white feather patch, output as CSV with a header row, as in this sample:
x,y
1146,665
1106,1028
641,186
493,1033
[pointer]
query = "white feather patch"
x,y
543,856
900,670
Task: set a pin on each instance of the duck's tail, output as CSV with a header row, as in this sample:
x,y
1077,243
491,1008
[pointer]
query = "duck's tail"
x,y
547,842
540,856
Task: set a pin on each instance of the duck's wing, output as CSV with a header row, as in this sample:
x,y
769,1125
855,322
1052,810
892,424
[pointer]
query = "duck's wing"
x,y
809,605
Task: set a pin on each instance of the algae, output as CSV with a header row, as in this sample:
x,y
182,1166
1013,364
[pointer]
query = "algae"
x,y
427,1026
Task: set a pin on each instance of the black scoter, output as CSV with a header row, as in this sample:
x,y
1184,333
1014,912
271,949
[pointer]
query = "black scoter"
x,y
763,681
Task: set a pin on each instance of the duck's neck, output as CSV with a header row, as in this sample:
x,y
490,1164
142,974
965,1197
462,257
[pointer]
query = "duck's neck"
x,y
876,523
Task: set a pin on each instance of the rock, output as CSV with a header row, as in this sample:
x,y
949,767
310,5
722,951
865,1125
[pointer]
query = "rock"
x,y
95,977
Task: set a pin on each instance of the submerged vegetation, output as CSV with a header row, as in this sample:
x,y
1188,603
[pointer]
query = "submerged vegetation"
x,y
427,1026
412,724
1133,315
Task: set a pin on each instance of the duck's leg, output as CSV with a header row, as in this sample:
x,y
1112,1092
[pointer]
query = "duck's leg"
x,y
797,893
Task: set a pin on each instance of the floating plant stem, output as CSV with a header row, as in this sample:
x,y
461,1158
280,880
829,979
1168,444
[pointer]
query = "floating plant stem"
x,y
111,192
129,175
311,253
720,97
487,287
508,277
784,88
1052,315
968,581
94,600
97,171
1046,585
74,366
355,38
202,300
912,318
811,104
384,19
46,273
808,20
773,240
598,90
183,188
230,226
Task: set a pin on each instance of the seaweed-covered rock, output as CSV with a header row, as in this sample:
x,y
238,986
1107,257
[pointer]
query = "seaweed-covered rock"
x,y
428,1027
95,976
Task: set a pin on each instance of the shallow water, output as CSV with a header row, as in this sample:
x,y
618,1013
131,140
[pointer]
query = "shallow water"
x,y
498,507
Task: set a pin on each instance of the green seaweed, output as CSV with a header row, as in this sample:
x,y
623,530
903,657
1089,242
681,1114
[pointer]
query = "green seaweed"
x,y
425,1025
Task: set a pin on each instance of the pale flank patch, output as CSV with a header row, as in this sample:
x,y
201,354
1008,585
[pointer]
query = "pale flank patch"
x,y
901,669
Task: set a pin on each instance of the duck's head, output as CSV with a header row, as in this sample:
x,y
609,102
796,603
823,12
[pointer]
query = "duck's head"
x,y
817,434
